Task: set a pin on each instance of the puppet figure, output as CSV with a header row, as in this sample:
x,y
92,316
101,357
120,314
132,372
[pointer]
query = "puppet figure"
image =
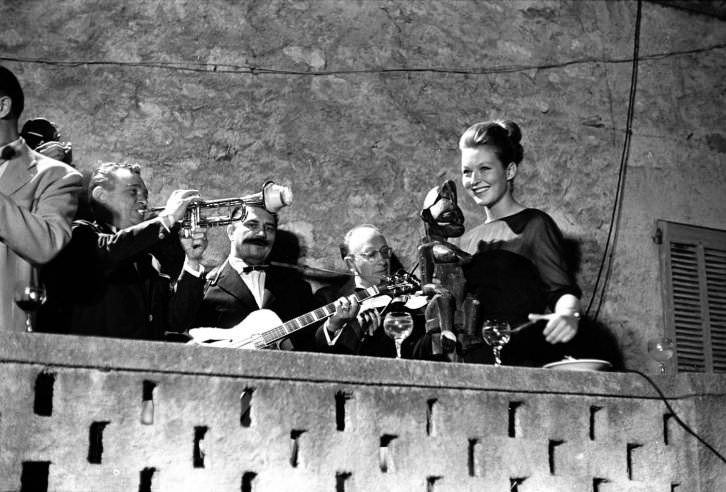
x,y
450,316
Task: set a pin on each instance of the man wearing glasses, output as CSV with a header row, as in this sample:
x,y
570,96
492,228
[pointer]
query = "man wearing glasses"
x,y
368,258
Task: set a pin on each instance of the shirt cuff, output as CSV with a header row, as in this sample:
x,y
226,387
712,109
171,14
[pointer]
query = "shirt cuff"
x,y
330,341
167,221
188,268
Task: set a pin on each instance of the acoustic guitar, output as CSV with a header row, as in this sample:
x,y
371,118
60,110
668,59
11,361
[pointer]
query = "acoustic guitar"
x,y
263,328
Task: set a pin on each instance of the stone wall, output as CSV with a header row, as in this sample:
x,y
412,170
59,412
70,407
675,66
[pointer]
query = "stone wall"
x,y
84,414
359,104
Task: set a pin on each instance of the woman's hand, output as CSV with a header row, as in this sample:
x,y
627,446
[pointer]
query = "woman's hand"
x,y
561,328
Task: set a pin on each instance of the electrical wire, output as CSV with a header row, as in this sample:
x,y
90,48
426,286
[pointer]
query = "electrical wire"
x,y
685,426
220,68
607,258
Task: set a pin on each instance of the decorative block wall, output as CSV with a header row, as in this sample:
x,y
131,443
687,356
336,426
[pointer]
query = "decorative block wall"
x,y
94,414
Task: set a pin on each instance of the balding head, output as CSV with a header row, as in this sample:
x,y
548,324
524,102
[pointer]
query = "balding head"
x,y
367,255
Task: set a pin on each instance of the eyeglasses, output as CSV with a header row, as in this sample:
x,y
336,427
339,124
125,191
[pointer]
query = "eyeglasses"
x,y
385,252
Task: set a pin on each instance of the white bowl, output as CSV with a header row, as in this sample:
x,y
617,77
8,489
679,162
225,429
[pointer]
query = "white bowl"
x,y
580,365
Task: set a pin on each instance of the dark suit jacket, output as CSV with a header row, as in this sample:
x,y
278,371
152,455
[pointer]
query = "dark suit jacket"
x,y
228,300
104,284
354,341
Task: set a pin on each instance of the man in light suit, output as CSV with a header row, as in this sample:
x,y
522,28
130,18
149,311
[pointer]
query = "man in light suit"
x,y
38,198
244,283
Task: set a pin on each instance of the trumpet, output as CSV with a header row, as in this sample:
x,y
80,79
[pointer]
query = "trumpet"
x,y
273,197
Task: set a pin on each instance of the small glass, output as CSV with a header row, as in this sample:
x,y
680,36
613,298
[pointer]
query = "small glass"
x,y
661,349
496,333
398,326
29,298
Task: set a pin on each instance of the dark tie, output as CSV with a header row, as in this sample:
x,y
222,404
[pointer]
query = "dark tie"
x,y
249,268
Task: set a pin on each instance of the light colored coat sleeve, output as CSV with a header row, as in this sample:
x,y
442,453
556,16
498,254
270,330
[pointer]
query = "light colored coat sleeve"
x,y
38,200
35,220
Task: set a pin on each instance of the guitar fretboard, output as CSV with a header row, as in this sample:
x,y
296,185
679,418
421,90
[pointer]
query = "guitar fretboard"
x,y
271,336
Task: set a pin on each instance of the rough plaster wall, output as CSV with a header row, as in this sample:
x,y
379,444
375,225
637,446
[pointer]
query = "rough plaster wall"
x,y
359,144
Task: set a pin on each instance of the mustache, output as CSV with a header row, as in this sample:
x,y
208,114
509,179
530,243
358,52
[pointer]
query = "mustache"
x,y
257,241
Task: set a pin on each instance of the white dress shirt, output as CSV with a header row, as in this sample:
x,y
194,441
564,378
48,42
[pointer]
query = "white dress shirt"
x,y
254,280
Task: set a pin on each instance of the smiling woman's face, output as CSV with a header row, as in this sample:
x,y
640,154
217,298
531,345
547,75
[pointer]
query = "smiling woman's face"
x,y
483,175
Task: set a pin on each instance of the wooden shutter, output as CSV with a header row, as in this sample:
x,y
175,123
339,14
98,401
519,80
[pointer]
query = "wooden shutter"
x,y
693,265
716,285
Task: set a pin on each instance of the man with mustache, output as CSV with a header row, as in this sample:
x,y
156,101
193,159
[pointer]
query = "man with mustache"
x,y
124,276
244,283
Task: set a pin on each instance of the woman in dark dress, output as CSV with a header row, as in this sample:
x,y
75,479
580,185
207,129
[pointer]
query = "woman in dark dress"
x,y
518,269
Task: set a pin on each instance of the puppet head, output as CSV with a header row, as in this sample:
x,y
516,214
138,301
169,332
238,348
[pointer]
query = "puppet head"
x,y
441,214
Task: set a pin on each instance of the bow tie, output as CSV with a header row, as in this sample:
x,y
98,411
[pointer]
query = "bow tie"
x,y
259,268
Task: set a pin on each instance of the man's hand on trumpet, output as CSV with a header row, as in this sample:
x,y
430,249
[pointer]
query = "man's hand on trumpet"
x,y
194,246
176,205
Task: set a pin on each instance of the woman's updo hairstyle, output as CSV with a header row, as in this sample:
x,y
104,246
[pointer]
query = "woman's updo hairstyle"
x,y
504,136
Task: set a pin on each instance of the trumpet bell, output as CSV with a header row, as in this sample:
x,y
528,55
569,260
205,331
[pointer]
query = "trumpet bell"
x,y
276,196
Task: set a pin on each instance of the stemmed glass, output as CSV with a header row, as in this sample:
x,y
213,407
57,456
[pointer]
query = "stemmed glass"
x,y
29,298
496,333
661,349
398,326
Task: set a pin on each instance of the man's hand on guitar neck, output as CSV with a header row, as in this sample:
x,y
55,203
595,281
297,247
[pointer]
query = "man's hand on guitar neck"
x,y
346,309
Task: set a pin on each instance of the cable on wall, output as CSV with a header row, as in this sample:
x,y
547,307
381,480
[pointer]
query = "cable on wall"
x,y
219,68
606,263
685,426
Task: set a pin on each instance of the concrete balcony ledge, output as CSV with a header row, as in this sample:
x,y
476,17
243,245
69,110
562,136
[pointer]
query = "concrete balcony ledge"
x,y
110,354
86,414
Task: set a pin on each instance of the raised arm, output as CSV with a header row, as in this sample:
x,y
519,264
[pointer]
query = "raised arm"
x,y
37,225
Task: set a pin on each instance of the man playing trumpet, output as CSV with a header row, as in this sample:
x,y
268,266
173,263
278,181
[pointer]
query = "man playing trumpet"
x,y
123,275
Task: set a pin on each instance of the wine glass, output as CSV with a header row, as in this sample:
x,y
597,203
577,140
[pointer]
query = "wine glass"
x,y
661,349
398,326
29,298
497,334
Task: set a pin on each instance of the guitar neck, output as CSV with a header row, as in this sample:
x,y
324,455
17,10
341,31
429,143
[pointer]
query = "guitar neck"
x,y
271,336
